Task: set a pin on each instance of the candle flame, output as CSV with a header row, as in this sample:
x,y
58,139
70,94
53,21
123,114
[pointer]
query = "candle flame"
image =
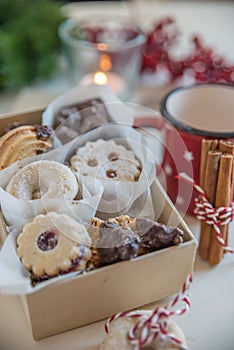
x,y
102,46
105,63
100,78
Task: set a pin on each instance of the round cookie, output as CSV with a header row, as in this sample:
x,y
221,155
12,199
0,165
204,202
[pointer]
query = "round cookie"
x,y
117,338
24,141
53,244
106,160
45,178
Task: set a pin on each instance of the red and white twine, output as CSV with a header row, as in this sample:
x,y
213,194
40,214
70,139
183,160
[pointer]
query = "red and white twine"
x,y
205,211
146,330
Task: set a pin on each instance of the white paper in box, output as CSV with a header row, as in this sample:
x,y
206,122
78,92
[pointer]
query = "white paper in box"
x,y
122,286
98,294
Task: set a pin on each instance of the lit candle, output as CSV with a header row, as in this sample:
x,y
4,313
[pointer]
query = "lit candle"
x,y
115,81
100,78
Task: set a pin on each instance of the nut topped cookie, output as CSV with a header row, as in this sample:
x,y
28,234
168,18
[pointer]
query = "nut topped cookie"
x,y
124,238
53,244
106,160
115,244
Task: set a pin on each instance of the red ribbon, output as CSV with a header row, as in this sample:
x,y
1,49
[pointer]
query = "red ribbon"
x,y
146,330
205,211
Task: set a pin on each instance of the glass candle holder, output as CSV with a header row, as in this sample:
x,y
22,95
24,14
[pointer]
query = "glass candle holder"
x,y
103,51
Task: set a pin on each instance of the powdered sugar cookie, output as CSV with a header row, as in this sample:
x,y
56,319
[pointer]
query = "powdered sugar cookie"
x,y
106,160
117,338
47,179
53,244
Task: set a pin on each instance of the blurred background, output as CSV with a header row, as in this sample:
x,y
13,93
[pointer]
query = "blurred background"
x,y
32,60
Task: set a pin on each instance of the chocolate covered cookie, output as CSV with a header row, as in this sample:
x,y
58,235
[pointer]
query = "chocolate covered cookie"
x,y
112,241
154,235
124,238
74,120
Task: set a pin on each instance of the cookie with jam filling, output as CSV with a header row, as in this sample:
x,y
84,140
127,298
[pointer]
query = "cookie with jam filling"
x,y
52,245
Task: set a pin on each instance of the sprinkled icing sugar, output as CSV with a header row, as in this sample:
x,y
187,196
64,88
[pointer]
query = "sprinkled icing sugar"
x,y
46,179
106,160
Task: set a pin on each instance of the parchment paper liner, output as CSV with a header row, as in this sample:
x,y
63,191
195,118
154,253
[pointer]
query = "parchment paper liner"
x,y
119,196
117,110
14,278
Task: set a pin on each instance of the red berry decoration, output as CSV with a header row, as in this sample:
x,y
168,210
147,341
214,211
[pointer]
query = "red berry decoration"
x,y
202,62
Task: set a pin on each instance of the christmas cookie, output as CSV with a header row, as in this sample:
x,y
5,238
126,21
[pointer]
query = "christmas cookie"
x,y
123,238
24,141
112,242
47,179
118,338
73,120
106,160
154,235
53,244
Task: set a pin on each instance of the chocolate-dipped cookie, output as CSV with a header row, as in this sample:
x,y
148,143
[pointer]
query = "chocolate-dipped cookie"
x,y
113,243
76,119
154,235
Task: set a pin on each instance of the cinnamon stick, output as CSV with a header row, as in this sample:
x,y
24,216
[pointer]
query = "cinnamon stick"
x,y
206,146
209,186
223,198
228,147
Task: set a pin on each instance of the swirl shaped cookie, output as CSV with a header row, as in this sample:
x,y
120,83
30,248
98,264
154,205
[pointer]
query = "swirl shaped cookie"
x,y
117,337
53,244
24,141
106,160
45,178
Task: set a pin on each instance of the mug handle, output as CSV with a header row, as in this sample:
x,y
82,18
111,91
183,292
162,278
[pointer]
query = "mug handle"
x,y
155,122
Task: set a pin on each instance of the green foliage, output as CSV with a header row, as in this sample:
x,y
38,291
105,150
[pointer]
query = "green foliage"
x,y
29,43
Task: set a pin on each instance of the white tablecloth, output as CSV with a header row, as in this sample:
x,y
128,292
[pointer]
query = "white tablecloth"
x,y
209,323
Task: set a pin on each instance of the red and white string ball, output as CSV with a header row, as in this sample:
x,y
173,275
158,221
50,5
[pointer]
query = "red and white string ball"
x,y
146,330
